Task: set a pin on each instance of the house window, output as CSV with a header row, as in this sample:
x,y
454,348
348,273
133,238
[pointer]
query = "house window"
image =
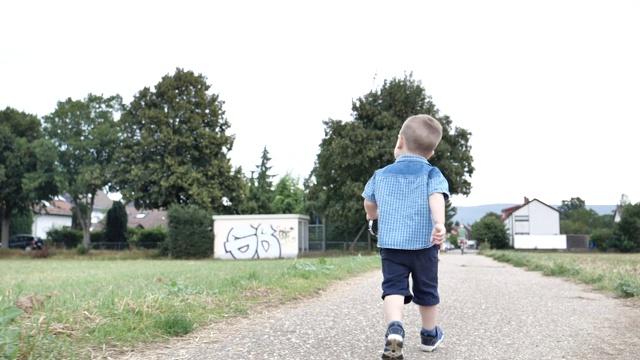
x,y
522,233
522,218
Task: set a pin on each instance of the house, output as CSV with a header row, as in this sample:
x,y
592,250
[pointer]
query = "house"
x,y
54,215
58,214
101,205
617,216
146,219
538,222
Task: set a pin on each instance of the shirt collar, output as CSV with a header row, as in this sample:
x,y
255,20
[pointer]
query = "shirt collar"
x,y
409,157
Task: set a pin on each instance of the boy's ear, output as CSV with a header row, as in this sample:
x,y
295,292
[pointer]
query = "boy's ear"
x,y
430,155
400,143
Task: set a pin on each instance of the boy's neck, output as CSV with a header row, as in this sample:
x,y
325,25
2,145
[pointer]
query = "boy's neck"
x,y
402,153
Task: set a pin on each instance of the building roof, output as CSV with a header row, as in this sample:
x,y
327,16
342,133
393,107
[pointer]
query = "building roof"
x,y
102,201
146,219
56,207
510,210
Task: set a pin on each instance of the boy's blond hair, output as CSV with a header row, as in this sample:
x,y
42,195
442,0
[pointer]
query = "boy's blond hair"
x,y
421,134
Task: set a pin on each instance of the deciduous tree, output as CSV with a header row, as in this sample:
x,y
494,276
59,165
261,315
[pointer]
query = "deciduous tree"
x,y
175,148
352,150
627,231
575,218
492,230
85,136
27,167
569,205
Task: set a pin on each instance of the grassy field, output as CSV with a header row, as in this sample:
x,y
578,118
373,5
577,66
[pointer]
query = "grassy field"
x,y
68,307
88,307
618,274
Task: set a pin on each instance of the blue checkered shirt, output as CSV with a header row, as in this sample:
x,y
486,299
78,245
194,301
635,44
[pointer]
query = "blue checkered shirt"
x,y
401,191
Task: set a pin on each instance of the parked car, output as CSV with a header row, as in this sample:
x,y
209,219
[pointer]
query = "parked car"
x,y
25,242
448,246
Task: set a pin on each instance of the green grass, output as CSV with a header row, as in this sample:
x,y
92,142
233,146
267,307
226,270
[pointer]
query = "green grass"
x,y
78,306
617,274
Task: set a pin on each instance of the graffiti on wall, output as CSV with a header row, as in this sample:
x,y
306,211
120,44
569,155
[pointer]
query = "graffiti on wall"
x,y
253,242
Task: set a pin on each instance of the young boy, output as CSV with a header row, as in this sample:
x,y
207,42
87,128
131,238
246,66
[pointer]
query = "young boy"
x,y
408,199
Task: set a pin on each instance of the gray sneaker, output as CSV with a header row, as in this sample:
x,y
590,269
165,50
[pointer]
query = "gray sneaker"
x,y
394,340
430,343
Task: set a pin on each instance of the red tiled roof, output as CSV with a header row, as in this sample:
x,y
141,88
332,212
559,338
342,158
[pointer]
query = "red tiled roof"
x,y
508,211
57,207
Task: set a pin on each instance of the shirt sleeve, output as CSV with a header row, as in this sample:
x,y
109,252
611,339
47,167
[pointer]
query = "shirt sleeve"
x,y
369,189
438,183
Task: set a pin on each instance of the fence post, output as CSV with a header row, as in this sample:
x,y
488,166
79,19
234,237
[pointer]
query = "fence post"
x,y
324,235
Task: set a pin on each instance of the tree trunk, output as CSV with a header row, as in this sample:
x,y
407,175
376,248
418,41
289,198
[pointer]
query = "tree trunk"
x,y
6,220
83,213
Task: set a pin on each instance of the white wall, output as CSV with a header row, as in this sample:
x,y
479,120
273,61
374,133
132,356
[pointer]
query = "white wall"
x,y
543,219
541,242
259,236
534,218
43,223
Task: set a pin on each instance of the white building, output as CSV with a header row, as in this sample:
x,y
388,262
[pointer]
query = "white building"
x,y
55,215
536,224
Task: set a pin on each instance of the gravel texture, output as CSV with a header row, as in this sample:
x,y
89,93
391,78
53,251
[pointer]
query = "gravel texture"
x,y
488,310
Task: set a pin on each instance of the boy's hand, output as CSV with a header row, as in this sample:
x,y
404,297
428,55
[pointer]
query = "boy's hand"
x,y
438,234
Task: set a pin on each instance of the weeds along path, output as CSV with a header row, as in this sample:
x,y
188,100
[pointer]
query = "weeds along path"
x,y
488,310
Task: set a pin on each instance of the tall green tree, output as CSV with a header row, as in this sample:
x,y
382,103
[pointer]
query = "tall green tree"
x,y
569,205
575,218
450,212
85,135
116,225
261,193
21,223
627,231
175,148
27,167
492,230
352,150
289,196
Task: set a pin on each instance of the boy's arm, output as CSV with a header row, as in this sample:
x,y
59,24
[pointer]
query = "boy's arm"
x,y
437,207
371,208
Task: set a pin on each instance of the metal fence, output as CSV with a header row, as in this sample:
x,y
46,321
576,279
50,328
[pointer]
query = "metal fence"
x,y
321,240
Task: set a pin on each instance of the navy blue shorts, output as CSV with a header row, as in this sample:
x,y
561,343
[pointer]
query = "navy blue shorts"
x,y
422,265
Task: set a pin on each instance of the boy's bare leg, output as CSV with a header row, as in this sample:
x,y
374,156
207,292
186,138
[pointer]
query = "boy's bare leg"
x,y
393,307
428,316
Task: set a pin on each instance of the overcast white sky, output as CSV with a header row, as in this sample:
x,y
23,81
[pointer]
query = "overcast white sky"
x,y
549,89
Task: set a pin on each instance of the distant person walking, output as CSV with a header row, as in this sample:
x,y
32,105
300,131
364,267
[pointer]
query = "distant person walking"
x,y
408,199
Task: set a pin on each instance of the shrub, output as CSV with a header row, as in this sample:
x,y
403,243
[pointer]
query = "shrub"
x,y
82,250
66,238
601,237
150,238
98,236
189,235
484,246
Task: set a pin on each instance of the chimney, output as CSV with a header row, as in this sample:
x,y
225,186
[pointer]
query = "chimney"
x,y
526,199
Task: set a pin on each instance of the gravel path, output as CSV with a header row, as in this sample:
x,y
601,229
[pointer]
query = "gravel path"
x,y
489,310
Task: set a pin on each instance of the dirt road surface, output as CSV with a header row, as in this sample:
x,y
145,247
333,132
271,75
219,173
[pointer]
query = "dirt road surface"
x,y
488,310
